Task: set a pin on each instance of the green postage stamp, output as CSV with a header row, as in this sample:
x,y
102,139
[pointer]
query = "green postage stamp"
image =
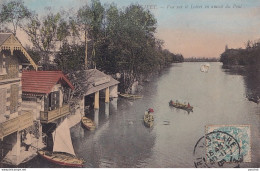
x,y
229,143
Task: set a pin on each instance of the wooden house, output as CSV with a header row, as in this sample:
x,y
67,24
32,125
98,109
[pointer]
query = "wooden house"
x,y
44,92
47,94
12,118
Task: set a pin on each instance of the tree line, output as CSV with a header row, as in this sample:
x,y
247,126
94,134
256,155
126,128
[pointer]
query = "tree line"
x,y
249,58
250,55
98,36
201,59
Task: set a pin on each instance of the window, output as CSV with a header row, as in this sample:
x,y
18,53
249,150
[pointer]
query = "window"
x,y
2,101
2,65
52,101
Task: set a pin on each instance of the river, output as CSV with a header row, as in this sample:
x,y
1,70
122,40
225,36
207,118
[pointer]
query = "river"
x,y
121,139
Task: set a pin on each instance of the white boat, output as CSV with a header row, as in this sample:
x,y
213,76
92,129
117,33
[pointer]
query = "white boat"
x,y
205,67
63,151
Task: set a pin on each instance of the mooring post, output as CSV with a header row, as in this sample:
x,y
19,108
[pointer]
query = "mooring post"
x,y
107,95
96,105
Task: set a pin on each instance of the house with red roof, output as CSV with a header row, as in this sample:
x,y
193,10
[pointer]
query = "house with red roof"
x,y
46,92
29,101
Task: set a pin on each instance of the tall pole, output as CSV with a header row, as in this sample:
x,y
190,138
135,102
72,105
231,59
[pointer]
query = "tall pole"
x,y
86,49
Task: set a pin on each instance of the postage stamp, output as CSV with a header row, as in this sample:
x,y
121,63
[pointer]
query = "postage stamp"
x,y
242,135
217,149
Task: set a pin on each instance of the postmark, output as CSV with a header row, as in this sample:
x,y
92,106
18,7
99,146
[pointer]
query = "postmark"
x,y
241,133
217,149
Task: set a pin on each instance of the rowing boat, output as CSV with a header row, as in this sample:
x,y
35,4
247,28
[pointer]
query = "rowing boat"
x,y
148,119
181,106
63,152
130,96
88,123
61,158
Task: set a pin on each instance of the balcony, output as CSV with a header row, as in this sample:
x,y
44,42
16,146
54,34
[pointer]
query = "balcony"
x,y
16,124
50,116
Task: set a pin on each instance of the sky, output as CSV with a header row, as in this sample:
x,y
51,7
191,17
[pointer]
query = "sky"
x,y
194,28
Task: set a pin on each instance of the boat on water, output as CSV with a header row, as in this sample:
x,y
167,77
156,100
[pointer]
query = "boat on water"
x,y
63,151
130,96
88,123
148,118
205,67
178,105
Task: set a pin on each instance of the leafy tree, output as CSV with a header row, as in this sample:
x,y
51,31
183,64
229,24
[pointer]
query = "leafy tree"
x,y
43,33
90,19
14,12
70,57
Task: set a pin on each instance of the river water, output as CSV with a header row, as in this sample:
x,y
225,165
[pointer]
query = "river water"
x,y
121,139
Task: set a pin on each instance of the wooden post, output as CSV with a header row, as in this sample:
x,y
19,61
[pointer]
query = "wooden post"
x,y
107,95
18,147
96,105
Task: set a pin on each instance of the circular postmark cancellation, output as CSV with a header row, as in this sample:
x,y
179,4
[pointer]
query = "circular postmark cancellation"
x,y
217,149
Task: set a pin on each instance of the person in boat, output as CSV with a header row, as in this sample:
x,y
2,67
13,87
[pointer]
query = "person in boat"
x,y
171,102
150,110
188,105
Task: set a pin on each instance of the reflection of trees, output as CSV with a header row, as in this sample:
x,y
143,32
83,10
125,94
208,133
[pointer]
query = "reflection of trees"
x,y
252,82
251,77
245,62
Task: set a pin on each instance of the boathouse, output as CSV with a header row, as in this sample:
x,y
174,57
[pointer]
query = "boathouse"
x,y
98,86
13,120
47,94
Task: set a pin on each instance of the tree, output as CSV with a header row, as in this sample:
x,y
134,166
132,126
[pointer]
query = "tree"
x,y
47,32
90,20
43,34
70,57
14,12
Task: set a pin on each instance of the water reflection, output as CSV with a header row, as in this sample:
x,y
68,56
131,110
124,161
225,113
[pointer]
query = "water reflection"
x,y
122,140
251,77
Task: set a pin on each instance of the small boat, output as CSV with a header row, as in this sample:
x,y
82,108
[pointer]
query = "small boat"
x,y
148,118
88,123
61,158
181,106
130,96
63,151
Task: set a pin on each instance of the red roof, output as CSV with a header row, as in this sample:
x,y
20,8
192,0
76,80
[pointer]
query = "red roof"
x,y
43,81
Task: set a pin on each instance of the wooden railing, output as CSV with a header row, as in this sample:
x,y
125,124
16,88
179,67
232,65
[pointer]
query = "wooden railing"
x,y
50,116
16,124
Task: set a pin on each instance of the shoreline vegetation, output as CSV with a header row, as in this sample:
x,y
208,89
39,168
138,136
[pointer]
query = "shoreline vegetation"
x,y
201,59
119,42
246,62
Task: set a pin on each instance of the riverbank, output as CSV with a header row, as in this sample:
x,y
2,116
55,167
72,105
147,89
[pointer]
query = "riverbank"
x,y
122,140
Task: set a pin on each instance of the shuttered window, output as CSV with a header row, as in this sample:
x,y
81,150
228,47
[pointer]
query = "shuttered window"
x,y
46,103
2,101
53,101
14,98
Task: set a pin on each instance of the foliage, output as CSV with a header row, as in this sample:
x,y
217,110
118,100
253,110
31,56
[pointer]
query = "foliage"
x,y
70,57
114,40
34,53
201,59
248,56
14,12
